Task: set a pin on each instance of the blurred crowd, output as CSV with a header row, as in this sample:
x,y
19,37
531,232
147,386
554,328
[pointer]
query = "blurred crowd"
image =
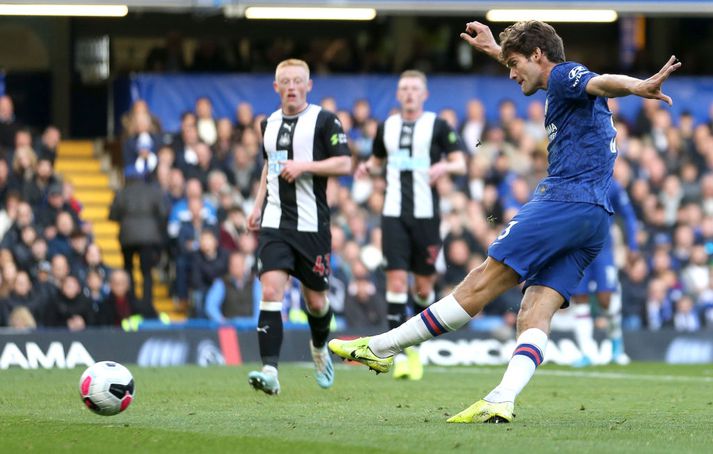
x,y
182,209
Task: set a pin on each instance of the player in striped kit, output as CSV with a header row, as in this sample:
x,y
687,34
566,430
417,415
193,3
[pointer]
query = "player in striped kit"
x,y
417,148
303,145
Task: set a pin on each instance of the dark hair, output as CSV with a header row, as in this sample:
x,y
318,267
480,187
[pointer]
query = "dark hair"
x,y
525,36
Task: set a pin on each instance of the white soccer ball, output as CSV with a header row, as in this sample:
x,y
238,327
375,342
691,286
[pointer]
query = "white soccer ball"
x,y
107,388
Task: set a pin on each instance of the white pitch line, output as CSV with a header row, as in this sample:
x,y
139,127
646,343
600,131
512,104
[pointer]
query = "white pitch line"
x,y
490,370
584,374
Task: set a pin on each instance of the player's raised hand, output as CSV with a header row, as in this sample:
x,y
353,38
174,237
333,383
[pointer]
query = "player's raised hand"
x,y
651,87
480,37
291,170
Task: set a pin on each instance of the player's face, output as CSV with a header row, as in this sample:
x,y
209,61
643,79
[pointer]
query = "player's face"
x,y
411,94
293,83
527,72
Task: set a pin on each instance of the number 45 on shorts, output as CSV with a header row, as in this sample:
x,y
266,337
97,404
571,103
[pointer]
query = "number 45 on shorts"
x,y
321,265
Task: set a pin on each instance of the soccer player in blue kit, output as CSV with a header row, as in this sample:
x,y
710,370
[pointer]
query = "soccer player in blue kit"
x,y
600,278
555,236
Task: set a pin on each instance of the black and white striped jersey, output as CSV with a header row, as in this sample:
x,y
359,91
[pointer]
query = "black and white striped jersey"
x,y
312,135
410,148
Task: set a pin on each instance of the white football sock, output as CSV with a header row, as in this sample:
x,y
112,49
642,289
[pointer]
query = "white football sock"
x,y
584,330
441,317
614,316
528,354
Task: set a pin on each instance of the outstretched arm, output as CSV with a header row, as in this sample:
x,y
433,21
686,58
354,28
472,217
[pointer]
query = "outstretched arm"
x,y
616,85
480,37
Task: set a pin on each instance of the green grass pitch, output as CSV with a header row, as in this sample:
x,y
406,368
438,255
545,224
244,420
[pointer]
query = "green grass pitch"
x,y
640,408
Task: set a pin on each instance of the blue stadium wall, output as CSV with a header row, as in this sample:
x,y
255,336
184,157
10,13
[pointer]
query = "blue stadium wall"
x,y
170,95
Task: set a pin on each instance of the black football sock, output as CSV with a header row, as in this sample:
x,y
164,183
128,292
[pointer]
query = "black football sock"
x,y
396,308
269,336
319,326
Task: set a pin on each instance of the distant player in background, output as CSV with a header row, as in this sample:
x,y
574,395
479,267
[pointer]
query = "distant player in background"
x,y
555,236
601,279
417,148
303,145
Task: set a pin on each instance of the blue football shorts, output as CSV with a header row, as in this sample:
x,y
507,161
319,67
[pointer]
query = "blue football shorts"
x,y
551,243
601,274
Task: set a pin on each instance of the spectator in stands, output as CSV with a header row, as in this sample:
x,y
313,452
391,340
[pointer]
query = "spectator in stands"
x,y
251,141
203,166
222,147
128,120
71,308
95,291
233,295
181,213
121,303
189,242
535,123
4,183
364,305
244,117
24,163
59,243
9,274
22,250
243,171
185,147
205,123
686,317
8,123
59,270
140,149
78,244
35,191
46,146
21,295
457,257
232,229
176,188
22,319
46,215
209,263
141,212
329,104
695,276
94,263
474,125
38,250
8,214
23,139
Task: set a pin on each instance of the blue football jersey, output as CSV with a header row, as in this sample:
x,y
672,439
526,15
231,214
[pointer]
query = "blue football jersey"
x,y
581,132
